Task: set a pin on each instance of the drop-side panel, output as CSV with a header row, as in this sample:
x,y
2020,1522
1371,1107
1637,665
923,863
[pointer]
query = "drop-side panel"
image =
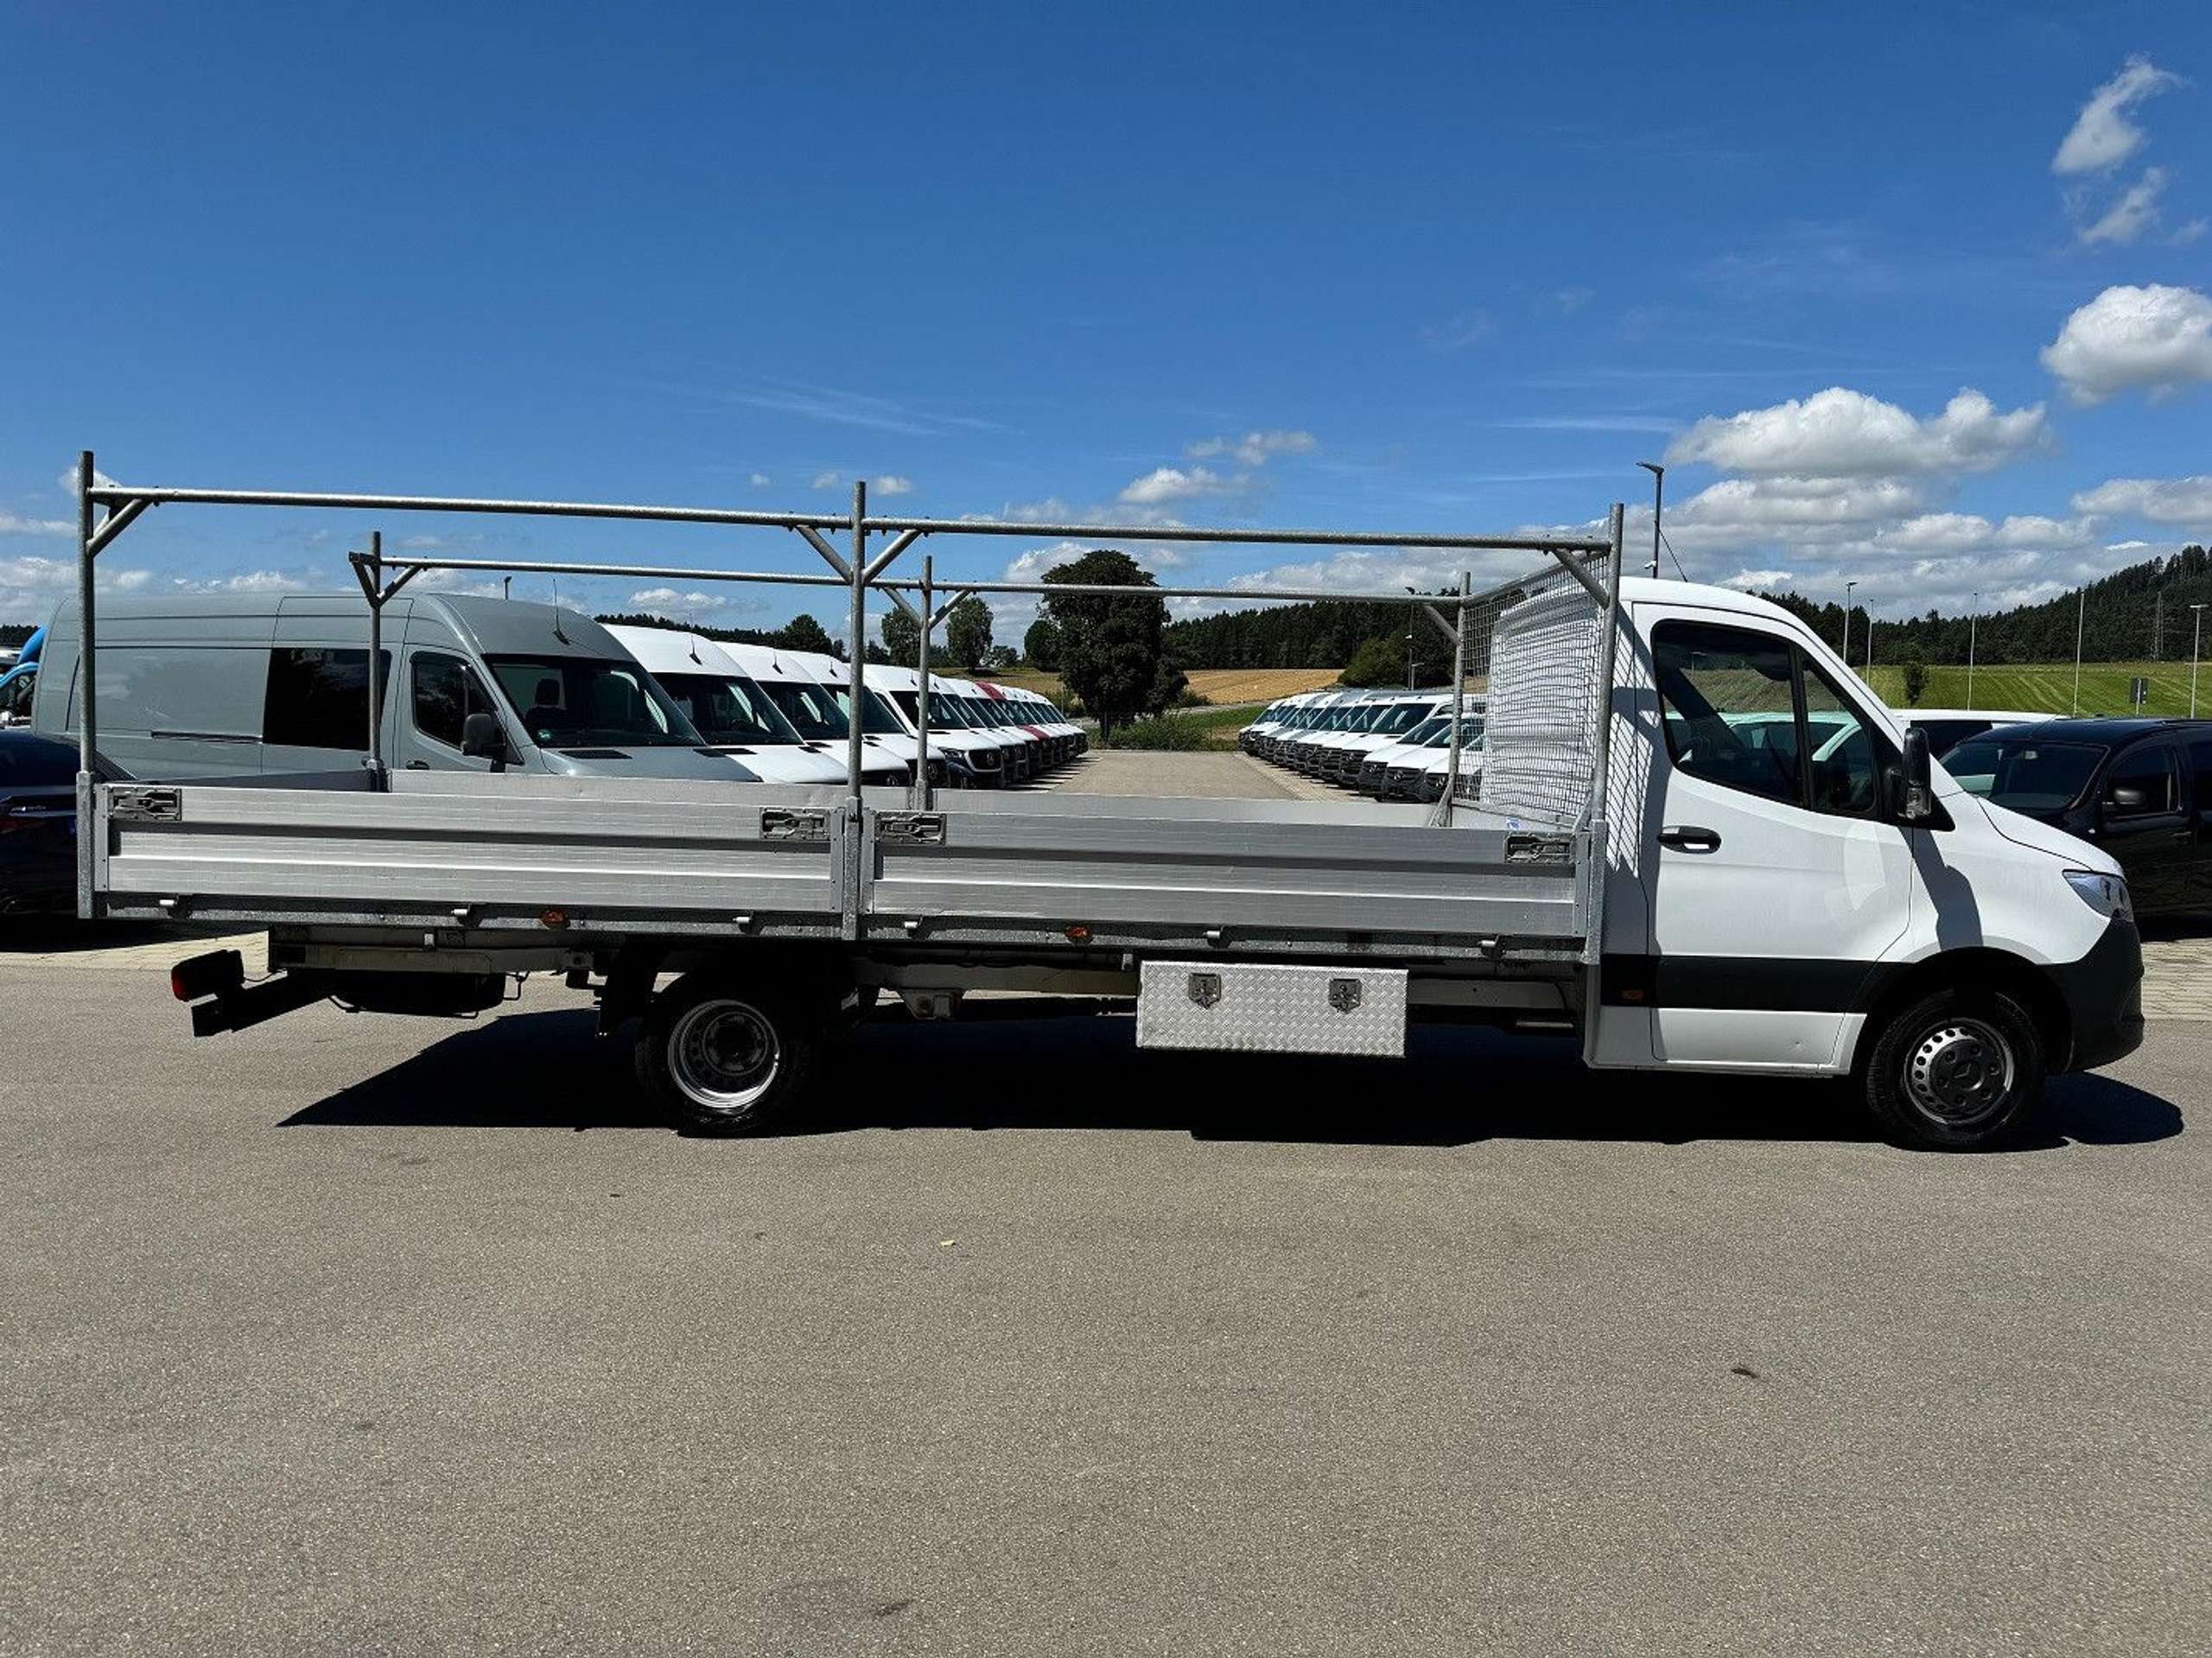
x,y
1192,871
489,844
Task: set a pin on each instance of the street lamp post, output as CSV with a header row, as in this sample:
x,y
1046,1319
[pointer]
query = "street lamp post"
x,y
2195,638
1412,618
2080,608
1658,494
1846,622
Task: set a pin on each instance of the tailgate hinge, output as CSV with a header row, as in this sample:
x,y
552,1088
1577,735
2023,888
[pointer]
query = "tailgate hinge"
x,y
911,829
790,823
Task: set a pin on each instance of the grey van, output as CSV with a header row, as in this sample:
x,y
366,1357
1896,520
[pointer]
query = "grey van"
x,y
208,685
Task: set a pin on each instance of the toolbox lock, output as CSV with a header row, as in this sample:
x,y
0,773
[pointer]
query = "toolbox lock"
x,y
1205,988
1343,994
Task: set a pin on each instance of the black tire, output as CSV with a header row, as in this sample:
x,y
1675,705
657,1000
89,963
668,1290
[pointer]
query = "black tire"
x,y
722,1055
1956,1071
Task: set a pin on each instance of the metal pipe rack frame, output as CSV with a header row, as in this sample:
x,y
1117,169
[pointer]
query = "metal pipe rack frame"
x,y
852,571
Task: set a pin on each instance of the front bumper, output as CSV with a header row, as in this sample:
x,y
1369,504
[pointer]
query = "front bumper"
x,y
2103,992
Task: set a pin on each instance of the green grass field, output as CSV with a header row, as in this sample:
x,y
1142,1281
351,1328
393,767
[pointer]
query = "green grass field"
x,y
2048,687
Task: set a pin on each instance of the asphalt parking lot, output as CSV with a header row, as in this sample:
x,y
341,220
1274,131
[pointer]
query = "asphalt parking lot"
x,y
359,1334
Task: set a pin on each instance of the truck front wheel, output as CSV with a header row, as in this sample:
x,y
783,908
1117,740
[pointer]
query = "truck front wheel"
x,y
1955,1072
723,1056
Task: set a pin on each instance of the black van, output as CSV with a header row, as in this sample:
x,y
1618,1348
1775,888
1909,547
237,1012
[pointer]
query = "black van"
x,y
2140,788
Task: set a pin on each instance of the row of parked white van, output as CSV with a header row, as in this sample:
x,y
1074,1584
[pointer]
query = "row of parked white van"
x,y
1391,745
783,714
227,685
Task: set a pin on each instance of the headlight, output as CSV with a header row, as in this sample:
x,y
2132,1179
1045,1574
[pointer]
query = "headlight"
x,y
2106,894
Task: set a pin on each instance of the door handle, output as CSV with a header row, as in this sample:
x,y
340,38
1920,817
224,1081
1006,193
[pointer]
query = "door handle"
x,y
418,766
1687,837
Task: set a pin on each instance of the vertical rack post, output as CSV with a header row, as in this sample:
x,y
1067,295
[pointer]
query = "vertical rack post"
x,y
922,673
375,587
857,638
1458,700
87,687
1598,862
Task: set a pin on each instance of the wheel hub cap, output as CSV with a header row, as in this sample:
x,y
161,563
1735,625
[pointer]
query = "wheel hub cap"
x,y
1961,1070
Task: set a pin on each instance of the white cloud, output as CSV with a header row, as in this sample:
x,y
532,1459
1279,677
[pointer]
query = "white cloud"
x,y
2184,501
1970,532
675,599
2102,137
422,543
761,480
100,481
2135,211
1164,484
824,480
1254,448
1737,510
1756,580
1843,433
1570,300
2155,337
255,581
11,524
893,484
1468,328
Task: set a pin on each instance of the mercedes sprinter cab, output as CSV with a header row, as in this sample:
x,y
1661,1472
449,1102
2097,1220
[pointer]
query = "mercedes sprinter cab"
x,y
1271,720
1393,716
1397,772
1008,713
1325,714
1310,753
883,730
1298,718
211,685
735,715
813,709
975,759
1070,734
1017,750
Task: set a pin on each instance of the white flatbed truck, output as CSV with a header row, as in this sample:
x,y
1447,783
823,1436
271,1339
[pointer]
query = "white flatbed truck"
x,y
1659,866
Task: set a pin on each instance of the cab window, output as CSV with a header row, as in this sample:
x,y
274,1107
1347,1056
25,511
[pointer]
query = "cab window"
x,y
2143,783
1746,710
445,691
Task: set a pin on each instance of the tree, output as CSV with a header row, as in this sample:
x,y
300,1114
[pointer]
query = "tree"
x,y
803,633
1916,673
902,637
1381,661
1111,650
1041,645
968,632
1000,658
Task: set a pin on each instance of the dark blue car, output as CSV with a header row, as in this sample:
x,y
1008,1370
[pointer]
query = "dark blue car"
x,y
38,823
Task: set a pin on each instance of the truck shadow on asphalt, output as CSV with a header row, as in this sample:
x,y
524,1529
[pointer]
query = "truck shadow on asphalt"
x,y
1458,1087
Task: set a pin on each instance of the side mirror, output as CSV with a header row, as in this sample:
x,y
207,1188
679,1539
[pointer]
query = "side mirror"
x,y
1915,779
482,740
2126,797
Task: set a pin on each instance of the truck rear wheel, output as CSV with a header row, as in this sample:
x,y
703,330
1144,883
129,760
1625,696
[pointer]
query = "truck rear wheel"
x,y
722,1055
1955,1072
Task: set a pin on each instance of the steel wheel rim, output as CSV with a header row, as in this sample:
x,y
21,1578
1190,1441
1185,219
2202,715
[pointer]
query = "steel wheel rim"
x,y
1961,1071
724,1055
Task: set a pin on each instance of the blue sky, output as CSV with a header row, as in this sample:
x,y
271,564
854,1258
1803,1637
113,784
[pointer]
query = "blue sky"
x,y
1916,294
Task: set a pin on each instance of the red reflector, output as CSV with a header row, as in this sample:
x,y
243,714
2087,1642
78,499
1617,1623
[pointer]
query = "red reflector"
x,y
1079,934
206,975
554,919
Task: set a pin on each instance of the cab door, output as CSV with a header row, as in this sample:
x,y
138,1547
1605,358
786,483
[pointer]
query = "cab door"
x,y
1775,882
2143,820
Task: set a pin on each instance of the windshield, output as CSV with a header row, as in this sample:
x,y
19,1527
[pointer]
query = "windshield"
x,y
876,718
568,701
1470,734
2028,777
726,710
809,708
1402,716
